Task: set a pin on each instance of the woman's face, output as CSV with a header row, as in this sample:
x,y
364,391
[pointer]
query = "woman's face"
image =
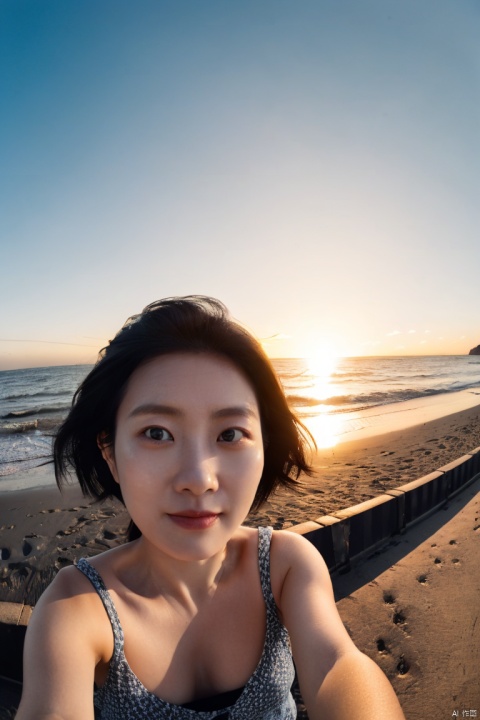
x,y
188,452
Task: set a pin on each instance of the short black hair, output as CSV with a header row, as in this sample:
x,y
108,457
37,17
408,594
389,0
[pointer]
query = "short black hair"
x,y
191,324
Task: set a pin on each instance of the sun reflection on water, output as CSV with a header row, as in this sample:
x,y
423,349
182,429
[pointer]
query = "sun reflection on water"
x,y
324,425
322,366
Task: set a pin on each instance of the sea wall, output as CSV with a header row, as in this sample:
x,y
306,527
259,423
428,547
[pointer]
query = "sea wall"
x,y
348,535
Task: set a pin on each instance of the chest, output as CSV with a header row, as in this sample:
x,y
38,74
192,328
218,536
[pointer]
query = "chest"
x,y
178,656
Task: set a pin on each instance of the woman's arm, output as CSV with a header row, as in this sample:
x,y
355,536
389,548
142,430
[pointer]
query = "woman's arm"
x,y
60,652
336,680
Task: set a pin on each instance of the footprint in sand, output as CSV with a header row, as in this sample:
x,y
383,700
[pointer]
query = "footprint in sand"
x,y
62,562
456,561
399,618
108,535
403,666
26,548
62,533
388,598
437,561
5,553
453,542
381,646
107,513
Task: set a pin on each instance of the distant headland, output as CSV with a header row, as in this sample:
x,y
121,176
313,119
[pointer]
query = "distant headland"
x,y
475,351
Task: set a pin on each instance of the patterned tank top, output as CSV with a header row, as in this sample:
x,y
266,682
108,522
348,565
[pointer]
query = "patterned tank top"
x,y
266,696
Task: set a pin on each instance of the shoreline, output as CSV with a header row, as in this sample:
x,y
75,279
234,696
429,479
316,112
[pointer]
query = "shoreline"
x,y
333,429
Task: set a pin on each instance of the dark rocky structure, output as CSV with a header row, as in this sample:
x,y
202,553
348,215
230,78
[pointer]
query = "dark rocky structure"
x,y
475,351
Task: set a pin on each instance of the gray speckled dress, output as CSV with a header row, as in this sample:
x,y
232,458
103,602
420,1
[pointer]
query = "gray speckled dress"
x,y
266,696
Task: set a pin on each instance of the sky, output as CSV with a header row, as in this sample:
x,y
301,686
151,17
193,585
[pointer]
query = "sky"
x,y
311,163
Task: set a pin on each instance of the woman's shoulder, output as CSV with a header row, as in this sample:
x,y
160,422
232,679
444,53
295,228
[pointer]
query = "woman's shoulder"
x,y
71,609
288,547
68,584
71,595
295,561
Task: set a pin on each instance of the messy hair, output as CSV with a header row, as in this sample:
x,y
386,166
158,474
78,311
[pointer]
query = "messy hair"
x,y
191,324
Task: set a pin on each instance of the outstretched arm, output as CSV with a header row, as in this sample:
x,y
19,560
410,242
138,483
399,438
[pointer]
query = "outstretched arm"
x,y
60,653
337,681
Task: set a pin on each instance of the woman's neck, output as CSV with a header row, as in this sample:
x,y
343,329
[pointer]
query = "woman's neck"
x,y
151,573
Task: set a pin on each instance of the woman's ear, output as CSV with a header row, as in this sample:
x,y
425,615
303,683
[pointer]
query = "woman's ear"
x,y
108,453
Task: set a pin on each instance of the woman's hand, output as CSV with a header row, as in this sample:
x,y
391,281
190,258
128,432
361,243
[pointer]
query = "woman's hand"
x,y
336,680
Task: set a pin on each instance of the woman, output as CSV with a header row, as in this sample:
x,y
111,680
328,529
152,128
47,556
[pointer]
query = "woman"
x,y
197,616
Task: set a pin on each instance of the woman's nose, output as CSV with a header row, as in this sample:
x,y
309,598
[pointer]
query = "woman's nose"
x,y
197,473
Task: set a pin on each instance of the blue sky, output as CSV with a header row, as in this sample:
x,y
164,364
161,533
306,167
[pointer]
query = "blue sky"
x,y
312,164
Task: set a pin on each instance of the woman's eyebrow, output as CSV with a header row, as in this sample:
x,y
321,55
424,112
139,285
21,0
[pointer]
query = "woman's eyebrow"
x,y
246,411
154,409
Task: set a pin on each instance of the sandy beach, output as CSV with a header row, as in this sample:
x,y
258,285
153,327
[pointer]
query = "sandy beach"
x,y
42,530
354,471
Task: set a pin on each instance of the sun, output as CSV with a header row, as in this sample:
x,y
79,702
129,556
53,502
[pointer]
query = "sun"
x,y
323,362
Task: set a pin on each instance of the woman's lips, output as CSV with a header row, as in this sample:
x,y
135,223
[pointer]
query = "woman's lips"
x,y
192,520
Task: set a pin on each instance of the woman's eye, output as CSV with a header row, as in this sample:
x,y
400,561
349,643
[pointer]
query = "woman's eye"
x,y
231,435
157,433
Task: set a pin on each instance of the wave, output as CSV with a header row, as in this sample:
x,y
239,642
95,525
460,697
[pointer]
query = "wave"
x,y
46,457
10,467
43,393
363,401
10,428
46,426
34,411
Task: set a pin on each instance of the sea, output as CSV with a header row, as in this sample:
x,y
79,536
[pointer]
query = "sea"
x,y
34,401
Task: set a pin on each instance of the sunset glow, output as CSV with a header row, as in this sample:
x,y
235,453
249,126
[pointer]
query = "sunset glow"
x,y
309,164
